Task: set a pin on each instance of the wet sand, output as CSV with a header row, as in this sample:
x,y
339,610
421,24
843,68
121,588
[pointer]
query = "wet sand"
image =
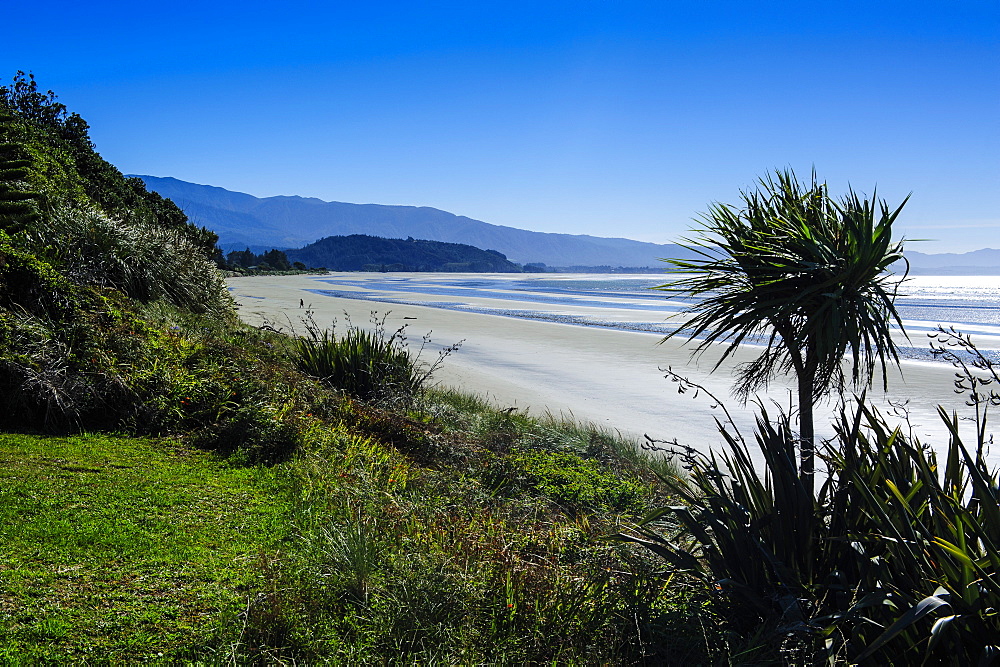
x,y
608,377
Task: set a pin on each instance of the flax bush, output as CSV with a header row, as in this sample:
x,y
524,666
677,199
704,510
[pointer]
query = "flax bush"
x,y
894,560
371,365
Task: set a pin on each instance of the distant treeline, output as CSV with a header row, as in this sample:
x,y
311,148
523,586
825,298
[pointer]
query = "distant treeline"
x,y
360,252
272,260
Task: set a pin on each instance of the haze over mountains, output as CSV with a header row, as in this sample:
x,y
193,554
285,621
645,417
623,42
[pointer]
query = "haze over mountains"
x,y
242,220
292,222
984,262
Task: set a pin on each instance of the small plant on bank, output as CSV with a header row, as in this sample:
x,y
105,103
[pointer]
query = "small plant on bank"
x,y
567,479
371,365
350,550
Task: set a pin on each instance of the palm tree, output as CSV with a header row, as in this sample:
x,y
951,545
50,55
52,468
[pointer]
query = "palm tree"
x,y
803,274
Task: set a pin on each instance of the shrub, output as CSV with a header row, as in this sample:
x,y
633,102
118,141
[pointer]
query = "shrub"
x,y
370,365
31,285
143,259
567,479
60,374
253,434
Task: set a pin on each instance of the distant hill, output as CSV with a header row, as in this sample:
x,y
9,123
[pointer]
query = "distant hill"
x,y
242,220
985,262
360,252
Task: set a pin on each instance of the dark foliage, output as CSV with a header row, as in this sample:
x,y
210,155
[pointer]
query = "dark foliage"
x,y
82,251
893,560
359,252
806,275
45,123
18,206
272,259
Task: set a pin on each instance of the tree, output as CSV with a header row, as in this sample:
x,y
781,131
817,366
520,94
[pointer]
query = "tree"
x,y
18,206
241,258
276,259
803,274
24,99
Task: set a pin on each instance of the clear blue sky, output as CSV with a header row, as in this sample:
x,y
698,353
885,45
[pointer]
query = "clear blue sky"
x,y
606,118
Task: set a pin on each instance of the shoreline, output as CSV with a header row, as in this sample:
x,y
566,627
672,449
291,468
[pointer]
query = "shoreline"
x,y
605,376
910,353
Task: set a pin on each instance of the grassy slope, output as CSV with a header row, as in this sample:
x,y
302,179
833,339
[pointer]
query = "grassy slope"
x,y
489,550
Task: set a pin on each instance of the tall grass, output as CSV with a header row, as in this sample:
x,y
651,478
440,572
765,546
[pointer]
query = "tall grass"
x,y
409,564
143,259
369,364
501,429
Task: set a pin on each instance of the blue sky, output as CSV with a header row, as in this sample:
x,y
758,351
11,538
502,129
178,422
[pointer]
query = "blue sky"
x,y
605,118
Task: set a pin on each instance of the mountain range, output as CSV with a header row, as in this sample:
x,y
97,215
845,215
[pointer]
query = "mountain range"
x,y
242,220
261,223
983,262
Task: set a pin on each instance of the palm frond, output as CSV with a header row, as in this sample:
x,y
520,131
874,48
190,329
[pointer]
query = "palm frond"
x,y
799,272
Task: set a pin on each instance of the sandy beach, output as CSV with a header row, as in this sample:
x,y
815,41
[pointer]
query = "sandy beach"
x,y
604,376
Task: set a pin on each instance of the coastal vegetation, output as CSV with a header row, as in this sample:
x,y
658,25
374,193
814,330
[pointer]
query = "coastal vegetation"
x,y
271,262
178,486
894,558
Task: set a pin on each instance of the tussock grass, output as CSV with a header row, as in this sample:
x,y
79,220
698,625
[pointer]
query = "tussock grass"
x,y
369,365
352,516
372,364
417,525
134,254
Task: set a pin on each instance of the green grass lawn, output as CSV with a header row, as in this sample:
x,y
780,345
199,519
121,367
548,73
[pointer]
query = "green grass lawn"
x,y
120,549
492,549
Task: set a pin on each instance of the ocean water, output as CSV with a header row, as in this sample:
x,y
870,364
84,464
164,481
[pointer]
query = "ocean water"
x,y
970,304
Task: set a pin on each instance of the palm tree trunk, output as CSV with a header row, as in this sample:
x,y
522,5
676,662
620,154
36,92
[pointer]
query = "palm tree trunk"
x,y
807,433
805,363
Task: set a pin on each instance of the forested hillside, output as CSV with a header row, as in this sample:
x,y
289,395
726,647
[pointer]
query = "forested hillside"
x,y
84,253
49,154
360,252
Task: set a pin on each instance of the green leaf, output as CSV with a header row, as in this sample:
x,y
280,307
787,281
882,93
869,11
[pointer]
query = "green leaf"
x,y
917,612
